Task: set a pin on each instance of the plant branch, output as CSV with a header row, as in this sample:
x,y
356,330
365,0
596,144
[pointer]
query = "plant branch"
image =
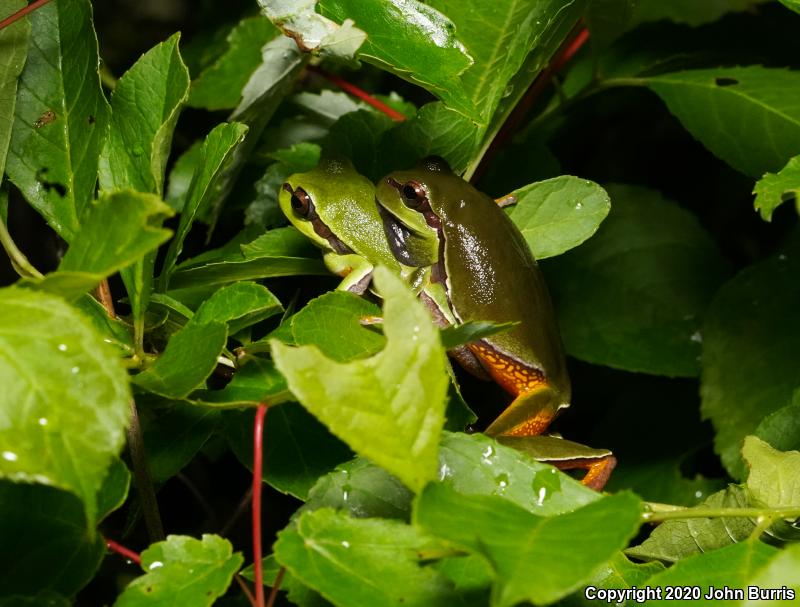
x,y
21,264
245,589
258,461
276,586
21,13
144,482
360,93
122,550
774,513
103,294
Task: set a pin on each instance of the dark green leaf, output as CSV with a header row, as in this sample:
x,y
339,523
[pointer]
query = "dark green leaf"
x,y
254,383
633,295
45,542
773,189
14,42
220,85
61,116
412,40
75,393
747,116
281,252
362,562
389,407
42,599
565,549
781,429
239,305
215,158
558,214
172,437
332,323
689,12
146,102
180,176
115,488
190,357
792,4
753,313
298,449
356,136
619,573
183,570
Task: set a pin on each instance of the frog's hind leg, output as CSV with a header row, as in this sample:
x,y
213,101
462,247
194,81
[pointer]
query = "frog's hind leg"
x,y
597,470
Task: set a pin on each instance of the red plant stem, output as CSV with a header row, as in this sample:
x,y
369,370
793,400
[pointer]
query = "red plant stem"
x,y
21,13
276,585
243,585
565,54
122,550
258,461
360,93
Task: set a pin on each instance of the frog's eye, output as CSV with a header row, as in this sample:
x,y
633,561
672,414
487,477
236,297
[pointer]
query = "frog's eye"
x,y
300,201
413,194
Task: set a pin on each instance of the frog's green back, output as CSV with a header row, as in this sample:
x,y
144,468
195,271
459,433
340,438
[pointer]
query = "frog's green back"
x,y
491,274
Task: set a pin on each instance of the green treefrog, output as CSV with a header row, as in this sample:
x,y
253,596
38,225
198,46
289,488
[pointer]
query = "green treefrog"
x,y
334,206
481,269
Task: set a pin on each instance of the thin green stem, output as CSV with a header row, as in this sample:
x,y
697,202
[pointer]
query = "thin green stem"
x,y
144,482
774,513
21,264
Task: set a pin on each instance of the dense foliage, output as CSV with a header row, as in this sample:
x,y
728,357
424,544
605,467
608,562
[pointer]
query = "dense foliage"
x,y
157,297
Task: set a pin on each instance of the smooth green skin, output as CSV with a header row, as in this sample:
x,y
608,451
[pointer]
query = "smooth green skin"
x,y
490,275
344,201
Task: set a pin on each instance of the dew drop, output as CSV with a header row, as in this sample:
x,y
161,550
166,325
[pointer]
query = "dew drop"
x,y
156,565
487,455
75,370
9,456
782,257
62,347
502,481
345,544
696,337
346,489
42,421
444,471
698,494
578,206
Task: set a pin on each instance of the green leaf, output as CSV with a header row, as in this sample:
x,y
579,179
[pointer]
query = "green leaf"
x,y
75,393
619,573
61,116
566,549
298,450
689,12
215,158
389,407
219,86
773,189
558,214
14,42
677,539
311,31
239,305
362,562
189,358
42,599
115,488
332,323
499,36
732,567
46,546
774,477
181,174
363,490
632,296
254,383
435,130
458,335
172,437
412,40
748,116
281,252
146,102
781,429
117,231
754,312
781,572
356,136
184,570
792,4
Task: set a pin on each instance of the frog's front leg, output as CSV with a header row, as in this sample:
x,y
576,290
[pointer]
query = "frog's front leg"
x,y
355,269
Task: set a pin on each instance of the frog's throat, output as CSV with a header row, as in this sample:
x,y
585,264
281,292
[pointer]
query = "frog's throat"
x,y
408,246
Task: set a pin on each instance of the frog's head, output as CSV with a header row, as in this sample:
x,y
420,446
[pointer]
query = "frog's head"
x,y
407,204
321,203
